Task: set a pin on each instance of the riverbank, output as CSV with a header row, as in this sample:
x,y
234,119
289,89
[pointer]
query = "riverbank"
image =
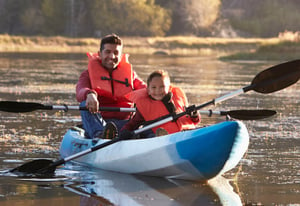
x,y
229,48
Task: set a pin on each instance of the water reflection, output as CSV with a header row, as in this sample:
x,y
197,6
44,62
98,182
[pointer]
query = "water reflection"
x,y
270,171
14,191
109,188
85,186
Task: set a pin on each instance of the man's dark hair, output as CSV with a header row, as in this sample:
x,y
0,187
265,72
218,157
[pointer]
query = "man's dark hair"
x,y
110,39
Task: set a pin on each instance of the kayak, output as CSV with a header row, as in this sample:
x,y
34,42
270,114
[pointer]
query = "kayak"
x,y
199,154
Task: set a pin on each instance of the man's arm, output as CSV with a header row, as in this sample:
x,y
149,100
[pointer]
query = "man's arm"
x,y
83,86
85,92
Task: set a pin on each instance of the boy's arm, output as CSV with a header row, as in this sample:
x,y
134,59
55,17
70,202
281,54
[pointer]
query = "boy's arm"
x,y
135,122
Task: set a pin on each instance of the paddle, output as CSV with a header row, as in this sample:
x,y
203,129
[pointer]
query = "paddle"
x,y
270,80
242,114
13,106
42,167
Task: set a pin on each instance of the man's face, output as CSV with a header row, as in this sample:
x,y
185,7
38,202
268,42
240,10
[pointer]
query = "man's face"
x,y
111,56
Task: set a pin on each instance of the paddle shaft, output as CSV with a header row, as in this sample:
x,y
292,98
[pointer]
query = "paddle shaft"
x,y
109,109
84,152
13,106
233,113
123,109
72,107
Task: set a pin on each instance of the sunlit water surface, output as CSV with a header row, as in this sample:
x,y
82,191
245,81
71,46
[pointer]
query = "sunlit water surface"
x,y
269,174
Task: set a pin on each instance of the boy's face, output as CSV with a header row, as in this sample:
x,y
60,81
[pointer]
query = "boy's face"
x,y
111,56
158,87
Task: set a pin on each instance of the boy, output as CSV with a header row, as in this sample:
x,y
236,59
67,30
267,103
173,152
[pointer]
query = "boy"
x,y
159,99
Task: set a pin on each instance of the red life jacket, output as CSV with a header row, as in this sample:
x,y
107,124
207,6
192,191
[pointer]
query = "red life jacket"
x,y
111,89
152,109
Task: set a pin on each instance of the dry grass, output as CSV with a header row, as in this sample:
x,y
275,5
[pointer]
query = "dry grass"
x,y
189,45
175,45
46,44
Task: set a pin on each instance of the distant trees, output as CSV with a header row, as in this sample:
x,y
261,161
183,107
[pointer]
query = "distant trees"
x,y
192,17
265,18
32,17
89,18
53,16
10,18
84,18
130,17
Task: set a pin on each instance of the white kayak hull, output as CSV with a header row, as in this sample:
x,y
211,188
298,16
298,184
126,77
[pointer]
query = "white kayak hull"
x,y
199,154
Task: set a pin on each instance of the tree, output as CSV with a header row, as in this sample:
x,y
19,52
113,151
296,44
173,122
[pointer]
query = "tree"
x,y
263,18
192,16
31,18
10,16
130,17
54,17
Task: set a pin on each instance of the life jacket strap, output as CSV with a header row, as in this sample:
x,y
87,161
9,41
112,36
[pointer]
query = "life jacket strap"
x,y
119,81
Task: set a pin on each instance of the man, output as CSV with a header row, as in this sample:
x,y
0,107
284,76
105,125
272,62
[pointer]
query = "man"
x,y
108,78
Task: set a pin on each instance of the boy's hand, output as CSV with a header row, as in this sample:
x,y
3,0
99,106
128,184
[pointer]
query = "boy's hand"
x,y
192,111
126,134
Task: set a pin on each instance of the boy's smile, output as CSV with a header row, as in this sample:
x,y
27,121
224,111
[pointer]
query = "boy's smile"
x,y
158,88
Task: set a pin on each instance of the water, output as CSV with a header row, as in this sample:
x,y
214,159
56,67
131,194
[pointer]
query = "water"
x,y
269,174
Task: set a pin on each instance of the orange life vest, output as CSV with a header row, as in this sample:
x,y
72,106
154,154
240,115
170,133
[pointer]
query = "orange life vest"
x,y
111,89
152,109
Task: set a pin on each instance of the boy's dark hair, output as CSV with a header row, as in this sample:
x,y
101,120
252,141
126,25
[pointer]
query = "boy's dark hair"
x,y
110,39
158,73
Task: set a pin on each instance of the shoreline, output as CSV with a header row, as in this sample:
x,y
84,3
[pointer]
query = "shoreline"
x,y
175,45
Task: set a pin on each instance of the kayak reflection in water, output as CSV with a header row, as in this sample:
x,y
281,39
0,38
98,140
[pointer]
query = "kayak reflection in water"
x,y
109,188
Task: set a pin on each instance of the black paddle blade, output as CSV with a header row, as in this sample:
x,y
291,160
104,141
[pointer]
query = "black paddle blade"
x,y
251,114
11,106
35,167
277,77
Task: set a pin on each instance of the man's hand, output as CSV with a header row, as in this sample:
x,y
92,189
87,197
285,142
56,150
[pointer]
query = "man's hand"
x,y
92,103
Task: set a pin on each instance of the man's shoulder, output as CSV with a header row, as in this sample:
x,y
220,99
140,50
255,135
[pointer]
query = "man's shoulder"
x,y
84,74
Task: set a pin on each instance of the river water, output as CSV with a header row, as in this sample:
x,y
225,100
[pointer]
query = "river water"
x,y
269,174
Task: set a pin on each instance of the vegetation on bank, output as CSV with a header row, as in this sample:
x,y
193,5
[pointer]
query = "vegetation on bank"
x,y
282,51
285,46
95,18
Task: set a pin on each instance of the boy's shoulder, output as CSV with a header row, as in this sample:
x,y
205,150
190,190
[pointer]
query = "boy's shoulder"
x,y
137,94
175,89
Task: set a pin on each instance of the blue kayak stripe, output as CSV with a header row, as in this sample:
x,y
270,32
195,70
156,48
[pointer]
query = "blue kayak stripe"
x,y
213,148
